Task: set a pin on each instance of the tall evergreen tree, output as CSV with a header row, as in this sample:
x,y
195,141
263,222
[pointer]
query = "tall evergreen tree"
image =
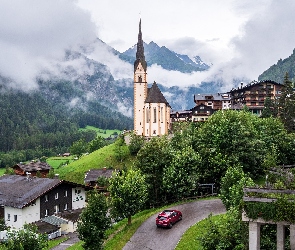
x,y
270,108
287,104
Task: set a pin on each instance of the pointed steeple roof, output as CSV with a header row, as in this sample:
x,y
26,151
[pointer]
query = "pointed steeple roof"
x,y
140,51
155,95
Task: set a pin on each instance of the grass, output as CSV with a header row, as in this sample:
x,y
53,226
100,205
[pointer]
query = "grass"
x,y
56,162
2,171
55,242
105,133
189,239
104,157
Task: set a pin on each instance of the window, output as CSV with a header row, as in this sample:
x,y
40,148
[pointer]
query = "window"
x,y
8,217
66,193
46,197
15,218
56,196
56,208
147,115
46,212
66,206
155,115
201,107
161,114
77,191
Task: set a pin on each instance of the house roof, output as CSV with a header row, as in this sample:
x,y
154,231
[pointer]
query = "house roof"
x,y
19,191
155,95
253,83
93,174
70,215
44,227
212,97
54,220
33,166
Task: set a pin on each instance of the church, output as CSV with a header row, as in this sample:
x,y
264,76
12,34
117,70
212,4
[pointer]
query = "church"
x,y
151,109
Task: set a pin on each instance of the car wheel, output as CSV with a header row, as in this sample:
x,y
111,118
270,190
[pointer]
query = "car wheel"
x,y
180,217
170,225
158,226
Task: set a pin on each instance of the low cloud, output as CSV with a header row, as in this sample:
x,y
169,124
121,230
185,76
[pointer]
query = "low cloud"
x,y
35,35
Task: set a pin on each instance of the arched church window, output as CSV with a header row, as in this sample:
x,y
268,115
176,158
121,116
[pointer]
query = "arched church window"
x,y
139,79
155,115
147,115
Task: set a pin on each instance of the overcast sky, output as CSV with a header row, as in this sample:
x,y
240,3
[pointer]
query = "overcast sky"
x,y
242,38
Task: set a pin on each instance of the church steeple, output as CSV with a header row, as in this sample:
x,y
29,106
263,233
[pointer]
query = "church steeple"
x,y
140,51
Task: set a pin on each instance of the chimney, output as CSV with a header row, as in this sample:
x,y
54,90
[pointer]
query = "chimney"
x,y
242,84
28,175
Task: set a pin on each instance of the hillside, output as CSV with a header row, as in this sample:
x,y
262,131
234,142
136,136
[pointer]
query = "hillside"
x,y
104,157
277,71
37,119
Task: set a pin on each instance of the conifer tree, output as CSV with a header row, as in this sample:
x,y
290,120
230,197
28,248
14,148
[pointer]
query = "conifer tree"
x,y
287,104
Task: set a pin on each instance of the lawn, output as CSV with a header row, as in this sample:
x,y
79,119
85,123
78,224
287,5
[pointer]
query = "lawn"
x,y
189,239
103,157
105,133
58,161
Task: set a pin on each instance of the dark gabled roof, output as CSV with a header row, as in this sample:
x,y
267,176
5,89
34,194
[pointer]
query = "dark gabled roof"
x,y
155,95
254,83
93,174
214,97
70,215
44,227
33,166
19,191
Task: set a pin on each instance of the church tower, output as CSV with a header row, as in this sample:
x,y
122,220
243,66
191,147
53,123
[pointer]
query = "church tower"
x,y
140,85
151,109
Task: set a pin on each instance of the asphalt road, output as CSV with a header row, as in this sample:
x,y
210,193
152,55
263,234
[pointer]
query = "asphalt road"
x,y
149,237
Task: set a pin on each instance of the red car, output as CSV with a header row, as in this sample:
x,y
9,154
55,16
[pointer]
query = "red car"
x,y
168,217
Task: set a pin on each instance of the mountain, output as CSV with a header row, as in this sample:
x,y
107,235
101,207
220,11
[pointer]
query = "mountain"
x,y
277,71
85,95
166,58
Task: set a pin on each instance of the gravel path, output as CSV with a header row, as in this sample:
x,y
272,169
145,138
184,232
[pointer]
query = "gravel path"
x,y
149,237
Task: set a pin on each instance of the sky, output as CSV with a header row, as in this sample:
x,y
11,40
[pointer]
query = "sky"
x,y
240,38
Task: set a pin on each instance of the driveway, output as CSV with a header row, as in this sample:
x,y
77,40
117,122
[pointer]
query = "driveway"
x,y
149,237
73,238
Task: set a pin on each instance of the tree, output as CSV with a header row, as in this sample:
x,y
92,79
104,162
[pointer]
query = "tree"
x,y
94,222
78,148
128,193
26,238
152,159
270,109
96,144
232,184
121,149
136,143
181,177
227,233
287,104
228,138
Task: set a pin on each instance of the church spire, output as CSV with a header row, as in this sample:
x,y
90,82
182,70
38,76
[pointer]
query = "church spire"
x,y
140,50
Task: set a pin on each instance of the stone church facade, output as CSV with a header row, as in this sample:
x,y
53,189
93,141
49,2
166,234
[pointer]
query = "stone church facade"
x,y
151,109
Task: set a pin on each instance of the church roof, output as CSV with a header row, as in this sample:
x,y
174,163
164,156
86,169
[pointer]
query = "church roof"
x,y
140,51
155,95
